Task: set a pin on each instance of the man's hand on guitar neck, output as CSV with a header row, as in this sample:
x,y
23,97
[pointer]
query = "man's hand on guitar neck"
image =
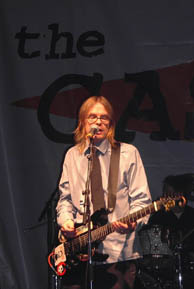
x,y
68,229
123,228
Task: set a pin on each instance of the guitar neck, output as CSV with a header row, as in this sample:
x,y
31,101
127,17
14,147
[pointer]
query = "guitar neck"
x,y
78,243
105,230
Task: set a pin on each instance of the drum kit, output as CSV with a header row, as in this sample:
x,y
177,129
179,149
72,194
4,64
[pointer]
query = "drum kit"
x,y
165,265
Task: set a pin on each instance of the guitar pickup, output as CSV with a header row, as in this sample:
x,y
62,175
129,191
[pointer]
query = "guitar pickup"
x,y
83,229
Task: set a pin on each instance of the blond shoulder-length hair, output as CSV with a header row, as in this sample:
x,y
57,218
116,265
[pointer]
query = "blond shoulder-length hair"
x,y
80,132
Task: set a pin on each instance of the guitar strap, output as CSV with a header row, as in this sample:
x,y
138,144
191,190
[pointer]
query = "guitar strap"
x,y
113,177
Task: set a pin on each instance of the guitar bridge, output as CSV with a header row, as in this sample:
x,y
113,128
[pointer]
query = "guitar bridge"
x,y
59,254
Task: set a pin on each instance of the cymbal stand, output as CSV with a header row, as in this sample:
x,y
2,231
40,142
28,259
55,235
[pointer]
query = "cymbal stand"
x,y
178,266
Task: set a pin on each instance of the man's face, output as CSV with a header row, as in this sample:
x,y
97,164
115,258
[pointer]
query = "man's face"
x,y
99,117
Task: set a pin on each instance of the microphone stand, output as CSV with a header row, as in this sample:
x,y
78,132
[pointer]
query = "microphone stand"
x,y
87,215
54,281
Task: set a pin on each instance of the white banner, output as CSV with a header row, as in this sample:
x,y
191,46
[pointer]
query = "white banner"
x,y
54,54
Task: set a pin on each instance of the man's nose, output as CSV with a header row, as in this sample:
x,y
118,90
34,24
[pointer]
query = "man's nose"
x,y
98,120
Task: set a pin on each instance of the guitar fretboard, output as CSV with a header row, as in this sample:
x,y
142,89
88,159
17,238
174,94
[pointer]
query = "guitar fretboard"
x,y
79,243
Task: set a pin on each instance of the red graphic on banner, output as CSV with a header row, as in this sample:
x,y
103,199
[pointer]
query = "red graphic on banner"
x,y
175,88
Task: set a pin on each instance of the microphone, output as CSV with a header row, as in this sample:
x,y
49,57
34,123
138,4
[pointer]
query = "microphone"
x,y
93,130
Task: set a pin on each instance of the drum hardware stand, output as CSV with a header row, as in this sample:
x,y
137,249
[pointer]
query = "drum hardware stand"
x,y
178,249
178,267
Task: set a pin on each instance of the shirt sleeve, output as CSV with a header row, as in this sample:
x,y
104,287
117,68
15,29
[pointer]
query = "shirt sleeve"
x,y
139,193
65,209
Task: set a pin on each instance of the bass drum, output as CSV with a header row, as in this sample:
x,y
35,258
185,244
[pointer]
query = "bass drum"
x,y
155,247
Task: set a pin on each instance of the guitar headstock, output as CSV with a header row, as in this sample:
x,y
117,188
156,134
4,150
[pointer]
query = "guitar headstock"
x,y
171,201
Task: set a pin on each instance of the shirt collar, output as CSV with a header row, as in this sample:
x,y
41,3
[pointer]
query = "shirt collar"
x,y
102,146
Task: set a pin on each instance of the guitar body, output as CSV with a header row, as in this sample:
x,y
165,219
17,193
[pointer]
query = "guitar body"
x,y
64,254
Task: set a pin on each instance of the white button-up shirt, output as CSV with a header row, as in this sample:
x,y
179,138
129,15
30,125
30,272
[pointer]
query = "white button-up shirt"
x,y
132,195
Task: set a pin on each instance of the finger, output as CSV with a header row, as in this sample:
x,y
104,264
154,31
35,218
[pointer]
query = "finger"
x,y
133,225
68,226
121,225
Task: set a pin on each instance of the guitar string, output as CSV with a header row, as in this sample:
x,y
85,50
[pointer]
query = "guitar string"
x,y
100,232
81,241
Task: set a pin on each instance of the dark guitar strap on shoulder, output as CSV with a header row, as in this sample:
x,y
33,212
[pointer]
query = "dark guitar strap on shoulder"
x,y
113,176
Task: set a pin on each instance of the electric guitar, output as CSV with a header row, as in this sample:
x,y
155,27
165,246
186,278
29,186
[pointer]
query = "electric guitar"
x,y
70,251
